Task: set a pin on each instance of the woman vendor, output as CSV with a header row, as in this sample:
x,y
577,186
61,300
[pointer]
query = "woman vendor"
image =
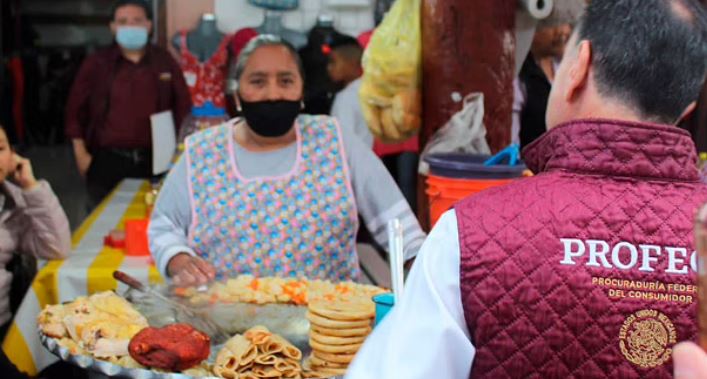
x,y
275,193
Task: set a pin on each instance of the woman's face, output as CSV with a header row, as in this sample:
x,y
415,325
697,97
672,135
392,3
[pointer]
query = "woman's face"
x,y
6,158
271,74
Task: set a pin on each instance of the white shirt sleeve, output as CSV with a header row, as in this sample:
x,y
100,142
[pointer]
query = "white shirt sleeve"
x,y
171,218
425,335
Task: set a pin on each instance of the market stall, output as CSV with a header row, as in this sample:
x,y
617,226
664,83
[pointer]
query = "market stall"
x,y
90,270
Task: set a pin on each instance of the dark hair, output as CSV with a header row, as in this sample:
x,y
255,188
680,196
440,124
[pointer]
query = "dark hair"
x,y
138,3
651,54
266,40
348,48
344,41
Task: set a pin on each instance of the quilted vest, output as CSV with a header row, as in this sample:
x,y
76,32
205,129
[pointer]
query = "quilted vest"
x,y
301,224
587,269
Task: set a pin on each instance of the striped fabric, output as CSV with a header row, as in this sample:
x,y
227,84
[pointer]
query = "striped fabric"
x,y
89,269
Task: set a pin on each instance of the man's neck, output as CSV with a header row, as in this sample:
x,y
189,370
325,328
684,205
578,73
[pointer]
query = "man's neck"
x,y
133,55
611,110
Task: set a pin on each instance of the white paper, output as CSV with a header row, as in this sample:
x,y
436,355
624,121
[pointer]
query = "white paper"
x,y
164,141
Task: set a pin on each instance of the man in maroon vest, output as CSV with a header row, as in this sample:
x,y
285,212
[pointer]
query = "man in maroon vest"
x,y
588,268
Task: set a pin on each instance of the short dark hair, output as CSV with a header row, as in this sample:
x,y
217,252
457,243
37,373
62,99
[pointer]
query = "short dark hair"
x,y
348,48
138,3
651,54
344,40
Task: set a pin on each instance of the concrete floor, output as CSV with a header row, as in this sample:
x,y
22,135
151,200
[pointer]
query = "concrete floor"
x,y
56,165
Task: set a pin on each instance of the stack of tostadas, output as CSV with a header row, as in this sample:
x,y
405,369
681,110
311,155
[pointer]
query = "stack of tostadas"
x,y
337,331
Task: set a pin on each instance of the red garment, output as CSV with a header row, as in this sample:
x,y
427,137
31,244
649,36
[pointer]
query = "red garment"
x,y
410,145
555,268
128,122
18,94
382,149
205,80
364,38
240,39
95,111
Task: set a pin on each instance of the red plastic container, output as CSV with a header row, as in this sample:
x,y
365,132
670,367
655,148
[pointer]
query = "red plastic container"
x,y
136,237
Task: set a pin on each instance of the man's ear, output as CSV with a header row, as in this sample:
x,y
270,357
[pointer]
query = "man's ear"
x,y
687,112
579,71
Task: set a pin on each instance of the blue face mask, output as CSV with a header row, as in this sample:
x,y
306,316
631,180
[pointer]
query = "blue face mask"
x,y
131,37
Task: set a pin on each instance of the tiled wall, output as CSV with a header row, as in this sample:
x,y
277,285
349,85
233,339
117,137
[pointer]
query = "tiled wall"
x,y
350,16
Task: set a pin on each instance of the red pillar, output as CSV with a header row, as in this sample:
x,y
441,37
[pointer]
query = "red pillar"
x,y
467,46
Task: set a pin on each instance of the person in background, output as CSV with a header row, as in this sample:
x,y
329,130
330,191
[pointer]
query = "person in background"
x,y
587,268
690,361
32,223
276,193
532,87
113,96
345,70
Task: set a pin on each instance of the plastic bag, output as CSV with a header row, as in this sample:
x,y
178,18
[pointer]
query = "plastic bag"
x,y
463,133
390,92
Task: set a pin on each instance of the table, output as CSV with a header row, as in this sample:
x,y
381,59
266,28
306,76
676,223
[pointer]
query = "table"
x,y
88,269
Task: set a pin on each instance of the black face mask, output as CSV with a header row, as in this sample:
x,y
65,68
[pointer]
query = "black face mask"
x,y
270,118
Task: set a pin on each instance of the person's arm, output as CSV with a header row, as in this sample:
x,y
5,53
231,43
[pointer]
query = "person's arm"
x,y
182,104
344,114
425,334
169,226
347,110
378,197
76,114
47,234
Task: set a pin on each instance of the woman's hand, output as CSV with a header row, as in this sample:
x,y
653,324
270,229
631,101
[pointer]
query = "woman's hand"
x,y
187,270
690,362
23,174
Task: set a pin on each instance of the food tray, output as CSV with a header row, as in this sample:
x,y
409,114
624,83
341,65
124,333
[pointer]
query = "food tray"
x,y
289,321
104,367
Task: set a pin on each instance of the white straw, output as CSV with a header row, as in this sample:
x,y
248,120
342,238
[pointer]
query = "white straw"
x,y
395,254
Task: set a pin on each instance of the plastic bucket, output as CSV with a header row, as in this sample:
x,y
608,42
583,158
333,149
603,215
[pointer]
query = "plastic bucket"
x,y
454,177
136,237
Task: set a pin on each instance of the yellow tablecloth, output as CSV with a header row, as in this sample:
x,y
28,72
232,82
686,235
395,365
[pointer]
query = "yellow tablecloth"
x,y
88,269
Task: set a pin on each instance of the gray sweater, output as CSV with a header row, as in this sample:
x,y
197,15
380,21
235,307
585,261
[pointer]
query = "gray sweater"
x,y
31,222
